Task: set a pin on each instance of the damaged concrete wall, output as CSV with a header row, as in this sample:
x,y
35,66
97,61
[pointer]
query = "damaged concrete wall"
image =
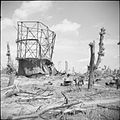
x,y
31,66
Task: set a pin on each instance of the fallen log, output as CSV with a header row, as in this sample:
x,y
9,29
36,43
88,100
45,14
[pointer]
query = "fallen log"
x,y
7,88
24,91
90,95
109,107
32,99
66,99
106,118
15,91
10,93
59,106
11,79
39,113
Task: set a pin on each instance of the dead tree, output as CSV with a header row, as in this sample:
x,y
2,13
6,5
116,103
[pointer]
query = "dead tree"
x,y
92,66
10,68
66,67
119,54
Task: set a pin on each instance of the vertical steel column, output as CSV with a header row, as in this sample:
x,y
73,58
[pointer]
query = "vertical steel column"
x,y
17,40
53,42
21,41
40,54
119,54
47,38
26,42
37,42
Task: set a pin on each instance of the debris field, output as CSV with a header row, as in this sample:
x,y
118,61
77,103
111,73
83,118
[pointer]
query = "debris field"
x,y
45,98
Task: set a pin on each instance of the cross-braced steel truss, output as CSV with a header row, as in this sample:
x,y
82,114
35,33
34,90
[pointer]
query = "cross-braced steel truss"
x,y
34,40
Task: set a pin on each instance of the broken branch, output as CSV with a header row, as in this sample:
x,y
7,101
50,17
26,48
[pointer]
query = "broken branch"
x,y
110,107
35,115
66,99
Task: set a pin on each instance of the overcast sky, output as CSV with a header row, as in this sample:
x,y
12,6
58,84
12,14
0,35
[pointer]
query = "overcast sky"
x,y
76,24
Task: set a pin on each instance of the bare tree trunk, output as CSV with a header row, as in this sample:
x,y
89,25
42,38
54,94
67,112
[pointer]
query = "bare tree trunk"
x,y
91,66
11,79
101,48
66,67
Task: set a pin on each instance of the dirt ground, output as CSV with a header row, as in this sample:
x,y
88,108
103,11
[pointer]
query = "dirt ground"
x,y
44,98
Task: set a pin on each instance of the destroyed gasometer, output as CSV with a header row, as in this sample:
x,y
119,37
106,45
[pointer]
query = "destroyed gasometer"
x,y
35,44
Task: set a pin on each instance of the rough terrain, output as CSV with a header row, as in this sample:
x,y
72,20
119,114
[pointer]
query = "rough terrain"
x,y
44,98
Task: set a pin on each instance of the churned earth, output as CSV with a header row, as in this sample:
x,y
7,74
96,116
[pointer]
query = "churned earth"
x,y
44,98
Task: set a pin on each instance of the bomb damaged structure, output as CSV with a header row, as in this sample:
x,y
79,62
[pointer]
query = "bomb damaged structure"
x,y
35,44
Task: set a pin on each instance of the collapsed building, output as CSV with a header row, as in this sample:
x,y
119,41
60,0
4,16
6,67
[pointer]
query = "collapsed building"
x,y
35,45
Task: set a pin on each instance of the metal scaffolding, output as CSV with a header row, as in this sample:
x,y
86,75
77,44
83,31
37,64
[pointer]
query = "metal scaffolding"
x,y
34,40
35,43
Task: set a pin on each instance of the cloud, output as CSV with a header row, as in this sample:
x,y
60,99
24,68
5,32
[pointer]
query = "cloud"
x,y
30,7
6,22
99,25
116,56
111,41
27,9
66,26
83,60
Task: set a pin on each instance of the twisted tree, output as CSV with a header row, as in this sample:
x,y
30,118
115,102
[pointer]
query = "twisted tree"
x,y
92,66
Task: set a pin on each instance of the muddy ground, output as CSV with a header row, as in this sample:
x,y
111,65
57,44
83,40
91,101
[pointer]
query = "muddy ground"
x,y
44,98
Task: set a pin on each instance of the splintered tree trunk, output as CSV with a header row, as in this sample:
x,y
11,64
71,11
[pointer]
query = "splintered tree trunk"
x,y
73,70
11,79
101,48
66,67
91,66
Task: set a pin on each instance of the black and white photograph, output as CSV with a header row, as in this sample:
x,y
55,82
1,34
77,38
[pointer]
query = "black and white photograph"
x,y
60,60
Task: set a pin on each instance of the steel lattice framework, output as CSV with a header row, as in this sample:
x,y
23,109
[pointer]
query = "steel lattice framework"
x,y
34,40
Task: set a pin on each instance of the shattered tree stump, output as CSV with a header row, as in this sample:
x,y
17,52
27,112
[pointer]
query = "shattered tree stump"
x,y
11,79
92,67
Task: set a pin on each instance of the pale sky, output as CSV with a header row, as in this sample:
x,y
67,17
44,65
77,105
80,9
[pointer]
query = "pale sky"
x,y
76,24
